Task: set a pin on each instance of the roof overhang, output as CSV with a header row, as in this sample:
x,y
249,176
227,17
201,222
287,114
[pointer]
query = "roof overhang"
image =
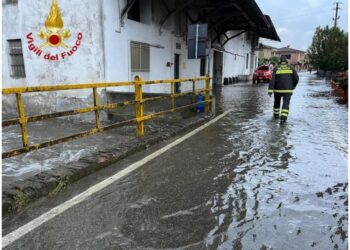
x,y
270,32
225,15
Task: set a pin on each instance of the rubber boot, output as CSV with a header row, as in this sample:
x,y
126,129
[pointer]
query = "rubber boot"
x,y
283,120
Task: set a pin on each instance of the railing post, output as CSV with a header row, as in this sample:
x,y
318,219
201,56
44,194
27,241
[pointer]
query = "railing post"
x,y
207,93
193,91
97,115
172,96
22,119
139,107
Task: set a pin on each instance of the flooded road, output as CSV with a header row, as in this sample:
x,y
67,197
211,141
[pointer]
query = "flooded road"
x,y
244,182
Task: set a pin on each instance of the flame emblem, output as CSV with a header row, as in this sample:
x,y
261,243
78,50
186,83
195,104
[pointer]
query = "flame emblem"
x,y
54,34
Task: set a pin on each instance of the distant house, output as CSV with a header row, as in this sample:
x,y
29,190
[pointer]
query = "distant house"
x,y
295,57
266,52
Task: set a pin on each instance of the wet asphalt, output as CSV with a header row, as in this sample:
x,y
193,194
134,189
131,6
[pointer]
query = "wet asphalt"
x,y
245,182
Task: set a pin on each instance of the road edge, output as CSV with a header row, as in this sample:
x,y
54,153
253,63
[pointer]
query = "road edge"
x,y
16,196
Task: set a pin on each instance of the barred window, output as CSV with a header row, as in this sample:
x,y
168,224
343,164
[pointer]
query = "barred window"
x,y
16,58
10,1
247,61
140,56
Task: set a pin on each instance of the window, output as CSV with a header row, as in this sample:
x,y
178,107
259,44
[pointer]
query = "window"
x,y
202,67
16,58
287,56
263,68
139,53
247,61
11,1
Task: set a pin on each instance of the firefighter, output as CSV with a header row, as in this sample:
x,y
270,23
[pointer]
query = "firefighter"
x,y
283,82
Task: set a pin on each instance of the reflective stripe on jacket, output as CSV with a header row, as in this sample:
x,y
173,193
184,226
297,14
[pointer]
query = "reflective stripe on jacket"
x,y
284,79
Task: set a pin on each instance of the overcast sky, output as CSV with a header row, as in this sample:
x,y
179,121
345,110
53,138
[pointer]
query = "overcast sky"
x,y
296,20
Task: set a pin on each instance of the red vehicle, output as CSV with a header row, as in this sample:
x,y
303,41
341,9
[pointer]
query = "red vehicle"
x,y
263,73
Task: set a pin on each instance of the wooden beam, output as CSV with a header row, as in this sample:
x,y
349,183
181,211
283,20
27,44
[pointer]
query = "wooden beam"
x,y
218,34
165,5
171,12
244,14
188,15
225,35
125,11
238,34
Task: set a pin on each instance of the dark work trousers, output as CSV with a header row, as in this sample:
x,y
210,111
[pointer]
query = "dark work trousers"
x,y
285,106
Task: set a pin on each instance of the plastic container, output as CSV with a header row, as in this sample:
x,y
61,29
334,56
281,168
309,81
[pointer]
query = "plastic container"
x,y
200,106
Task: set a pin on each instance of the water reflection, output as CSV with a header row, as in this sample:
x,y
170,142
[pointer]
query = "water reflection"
x,y
264,152
270,202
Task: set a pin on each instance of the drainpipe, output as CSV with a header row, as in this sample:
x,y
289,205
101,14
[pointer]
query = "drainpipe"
x,y
103,71
119,28
103,40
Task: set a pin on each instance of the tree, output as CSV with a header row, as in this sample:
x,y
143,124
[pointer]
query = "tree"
x,y
329,49
274,60
262,61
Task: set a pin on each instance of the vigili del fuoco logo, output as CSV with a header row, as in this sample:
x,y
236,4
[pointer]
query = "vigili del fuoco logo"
x,y
54,35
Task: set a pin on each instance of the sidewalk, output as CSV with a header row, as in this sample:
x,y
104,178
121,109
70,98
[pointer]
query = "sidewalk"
x,y
47,171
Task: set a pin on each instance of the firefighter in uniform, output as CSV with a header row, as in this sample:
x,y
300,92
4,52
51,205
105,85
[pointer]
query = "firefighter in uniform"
x,y
283,82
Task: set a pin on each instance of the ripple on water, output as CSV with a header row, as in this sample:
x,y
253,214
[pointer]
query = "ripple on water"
x,y
283,178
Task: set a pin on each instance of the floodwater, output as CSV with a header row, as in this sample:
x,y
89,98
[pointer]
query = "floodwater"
x,y
245,182
29,164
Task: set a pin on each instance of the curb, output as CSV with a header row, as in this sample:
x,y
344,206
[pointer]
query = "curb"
x,y
17,195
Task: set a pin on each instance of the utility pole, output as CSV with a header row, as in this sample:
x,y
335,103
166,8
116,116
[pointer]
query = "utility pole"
x,y
336,18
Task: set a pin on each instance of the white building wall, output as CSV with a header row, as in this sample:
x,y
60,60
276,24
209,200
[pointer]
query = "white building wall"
x,y
235,55
10,30
86,65
104,53
162,42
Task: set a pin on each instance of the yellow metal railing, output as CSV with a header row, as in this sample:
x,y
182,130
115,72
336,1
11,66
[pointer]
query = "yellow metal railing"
x,y
22,120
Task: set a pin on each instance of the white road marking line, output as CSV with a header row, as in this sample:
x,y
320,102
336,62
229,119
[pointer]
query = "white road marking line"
x,y
13,236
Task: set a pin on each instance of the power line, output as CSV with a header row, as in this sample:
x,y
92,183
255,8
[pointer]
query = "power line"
x,y
336,18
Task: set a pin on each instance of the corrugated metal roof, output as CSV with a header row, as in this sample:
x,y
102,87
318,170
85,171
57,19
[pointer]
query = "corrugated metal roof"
x,y
225,15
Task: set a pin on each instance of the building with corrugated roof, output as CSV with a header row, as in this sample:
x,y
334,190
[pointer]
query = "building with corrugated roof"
x,y
115,40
